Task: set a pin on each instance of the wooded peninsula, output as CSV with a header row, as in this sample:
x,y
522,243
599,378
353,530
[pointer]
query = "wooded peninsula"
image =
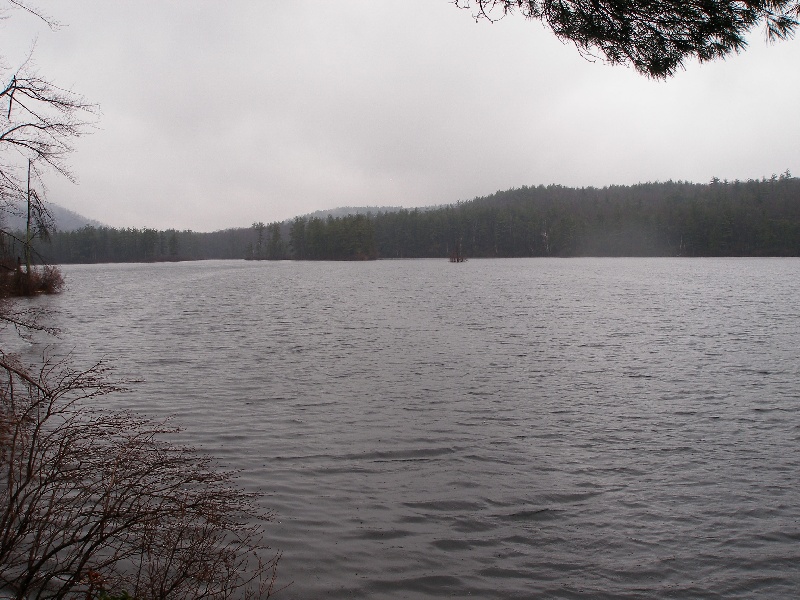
x,y
721,218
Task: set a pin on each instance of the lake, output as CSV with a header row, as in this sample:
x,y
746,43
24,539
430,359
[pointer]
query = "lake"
x,y
518,428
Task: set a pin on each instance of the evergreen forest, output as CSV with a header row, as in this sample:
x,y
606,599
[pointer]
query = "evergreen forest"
x,y
721,218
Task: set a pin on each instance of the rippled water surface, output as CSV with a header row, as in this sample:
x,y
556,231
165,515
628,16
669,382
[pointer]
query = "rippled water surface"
x,y
537,428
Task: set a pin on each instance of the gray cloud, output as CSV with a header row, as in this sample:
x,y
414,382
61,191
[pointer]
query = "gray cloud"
x,y
217,115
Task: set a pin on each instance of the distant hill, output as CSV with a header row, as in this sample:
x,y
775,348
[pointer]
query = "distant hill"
x,y
65,219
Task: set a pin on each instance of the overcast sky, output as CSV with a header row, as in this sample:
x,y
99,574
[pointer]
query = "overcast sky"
x,y
218,114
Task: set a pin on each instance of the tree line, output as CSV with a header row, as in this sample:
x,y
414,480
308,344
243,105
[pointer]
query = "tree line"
x,y
721,218
92,244
751,218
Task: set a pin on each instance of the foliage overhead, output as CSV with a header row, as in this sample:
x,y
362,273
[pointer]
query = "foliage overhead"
x,y
654,36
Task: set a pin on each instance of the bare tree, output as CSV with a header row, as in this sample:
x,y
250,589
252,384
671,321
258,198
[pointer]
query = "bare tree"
x,y
93,501
654,36
38,123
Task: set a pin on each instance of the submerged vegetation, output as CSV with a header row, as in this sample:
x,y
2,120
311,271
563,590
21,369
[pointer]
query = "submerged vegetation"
x,y
721,218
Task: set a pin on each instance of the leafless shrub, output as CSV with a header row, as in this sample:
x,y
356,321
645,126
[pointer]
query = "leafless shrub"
x,y
94,502
50,280
39,280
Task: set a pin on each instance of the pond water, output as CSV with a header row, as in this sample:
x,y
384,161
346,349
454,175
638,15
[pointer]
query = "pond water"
x,y
532,428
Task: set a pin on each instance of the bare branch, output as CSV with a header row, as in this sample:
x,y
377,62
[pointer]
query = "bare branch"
x,y
51,23
93,501
39,120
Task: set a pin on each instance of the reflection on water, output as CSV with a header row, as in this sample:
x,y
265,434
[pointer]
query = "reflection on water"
x,y
497,429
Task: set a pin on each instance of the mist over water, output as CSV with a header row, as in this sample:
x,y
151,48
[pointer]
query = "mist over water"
x,y
515,428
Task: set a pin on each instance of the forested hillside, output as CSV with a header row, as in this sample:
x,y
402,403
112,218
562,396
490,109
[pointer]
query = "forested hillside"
x,y
740,218
753,218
